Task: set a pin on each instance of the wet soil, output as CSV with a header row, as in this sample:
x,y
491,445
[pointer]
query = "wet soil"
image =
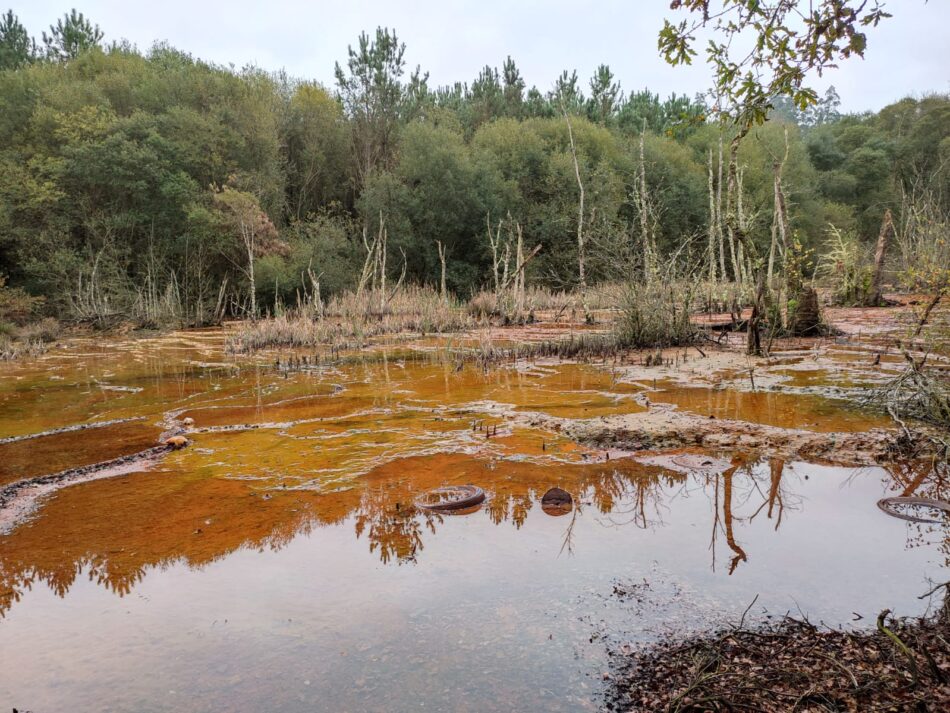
x,y
903,665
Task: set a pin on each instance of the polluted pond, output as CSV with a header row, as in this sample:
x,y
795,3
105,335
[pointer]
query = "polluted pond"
x,y
370,530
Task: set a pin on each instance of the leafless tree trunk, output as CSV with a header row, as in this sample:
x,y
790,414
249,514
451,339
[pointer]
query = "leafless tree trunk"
x,y
494,239
875,296
580,206
643,208
711,250
442,291
925,315
732,221
779,217
519,278
316,299
772,251
581,258
248,238
382,249
719,232
374,266
736,228
745,260
733,251
368,272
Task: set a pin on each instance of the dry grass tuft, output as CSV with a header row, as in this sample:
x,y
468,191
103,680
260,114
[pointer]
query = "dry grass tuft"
x,y
11,349
356,316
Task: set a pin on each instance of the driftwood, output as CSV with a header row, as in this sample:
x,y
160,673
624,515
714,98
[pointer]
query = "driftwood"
x,y
931,304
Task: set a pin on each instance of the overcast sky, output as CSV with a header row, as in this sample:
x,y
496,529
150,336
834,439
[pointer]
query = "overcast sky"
x,y
452,40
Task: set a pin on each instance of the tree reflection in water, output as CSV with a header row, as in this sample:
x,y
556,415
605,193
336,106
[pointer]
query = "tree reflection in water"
x,y
923,478
161,519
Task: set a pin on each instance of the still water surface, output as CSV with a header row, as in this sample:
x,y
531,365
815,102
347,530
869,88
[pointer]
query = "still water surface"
x,y
277,563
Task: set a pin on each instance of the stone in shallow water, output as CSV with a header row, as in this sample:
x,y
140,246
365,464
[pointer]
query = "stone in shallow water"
x,y
557,502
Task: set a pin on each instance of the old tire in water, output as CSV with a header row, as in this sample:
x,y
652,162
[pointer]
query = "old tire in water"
x,y
888,506
451,498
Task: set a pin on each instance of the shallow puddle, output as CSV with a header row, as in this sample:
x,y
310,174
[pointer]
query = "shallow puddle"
x,y
278,563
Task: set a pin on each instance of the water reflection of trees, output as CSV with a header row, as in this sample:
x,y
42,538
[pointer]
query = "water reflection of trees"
x,y
115,535
160,529
923,478
148,530
394,530
743,485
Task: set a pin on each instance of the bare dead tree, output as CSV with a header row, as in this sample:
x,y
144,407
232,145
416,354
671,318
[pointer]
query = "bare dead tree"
x,y
745,262
736,227
381,253
731,221
581,275
519,276
711,248
369,264
643,208
442,291
875,297
779,215
719,231
494,239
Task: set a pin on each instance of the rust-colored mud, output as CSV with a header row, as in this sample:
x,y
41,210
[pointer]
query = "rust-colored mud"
x,y
49,454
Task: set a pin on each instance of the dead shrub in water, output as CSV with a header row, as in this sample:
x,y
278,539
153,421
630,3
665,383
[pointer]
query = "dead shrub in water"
x,y
917,392
45,330
356,316
846,265
657,315
558,303
11,349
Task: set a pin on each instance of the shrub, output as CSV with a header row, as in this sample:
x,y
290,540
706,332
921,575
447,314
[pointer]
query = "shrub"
x,y
16,306
846,264
657,315
11,349
46,330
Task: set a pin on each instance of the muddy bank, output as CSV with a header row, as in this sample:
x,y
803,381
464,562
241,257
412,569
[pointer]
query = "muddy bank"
x,y
676,430
19,499
902,665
